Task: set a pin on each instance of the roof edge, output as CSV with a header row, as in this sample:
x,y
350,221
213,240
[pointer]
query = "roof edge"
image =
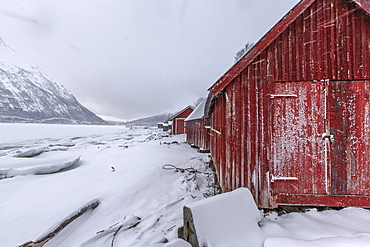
x,y
198,110
174,116
264,42
268,38
364,4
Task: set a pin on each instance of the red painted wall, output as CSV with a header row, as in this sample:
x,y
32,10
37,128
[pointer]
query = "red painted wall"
x,y
197,133
314,78
178,122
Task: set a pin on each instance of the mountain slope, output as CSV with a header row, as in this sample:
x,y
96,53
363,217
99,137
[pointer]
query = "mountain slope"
x,y
28,95
150,121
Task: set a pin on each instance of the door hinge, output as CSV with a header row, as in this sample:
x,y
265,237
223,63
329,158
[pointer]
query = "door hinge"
x,y
279,178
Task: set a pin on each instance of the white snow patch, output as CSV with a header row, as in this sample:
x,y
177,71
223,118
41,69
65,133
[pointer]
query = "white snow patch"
x,y
346,227
198,112
229,219
174,243
360,240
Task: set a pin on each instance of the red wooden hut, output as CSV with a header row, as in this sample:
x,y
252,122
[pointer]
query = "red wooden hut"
x,y
197,128
292,117
178,120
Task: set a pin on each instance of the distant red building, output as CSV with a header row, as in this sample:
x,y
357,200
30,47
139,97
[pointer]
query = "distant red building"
x,y
197,128
178,120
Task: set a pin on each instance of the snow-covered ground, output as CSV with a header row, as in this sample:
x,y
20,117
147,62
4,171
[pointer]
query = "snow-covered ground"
x,y
48,173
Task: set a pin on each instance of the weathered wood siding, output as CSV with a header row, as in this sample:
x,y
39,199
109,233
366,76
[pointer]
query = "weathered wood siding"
x,y
197,133
295,120
330,40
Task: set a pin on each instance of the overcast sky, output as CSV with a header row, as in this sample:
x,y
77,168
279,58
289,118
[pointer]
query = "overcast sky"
x,y
136,58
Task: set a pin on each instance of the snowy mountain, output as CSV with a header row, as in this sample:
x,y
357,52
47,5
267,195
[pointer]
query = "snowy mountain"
x,y
150,121
27,94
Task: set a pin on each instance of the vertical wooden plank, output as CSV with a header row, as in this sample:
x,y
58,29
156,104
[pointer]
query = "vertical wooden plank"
x,y
241,136
318,162
365,29
238,122
300,48
341,41
315,61
254,103
258,122
355,106
263,142
336,39
349,44
345,10
201,136
249,130
208,133
284,56
224,145
233,133
228,132
365,171
269,64
309,148
355,149
213,140
292,55
310,44
326,54
357,47
320,56
222,139
278,59
217,140
339,127
272,60
246,130
332,41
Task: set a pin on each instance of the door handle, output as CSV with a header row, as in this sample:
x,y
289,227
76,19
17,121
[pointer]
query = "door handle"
x,y
329,136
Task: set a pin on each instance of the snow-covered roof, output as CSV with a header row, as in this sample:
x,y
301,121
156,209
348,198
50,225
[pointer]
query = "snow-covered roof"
x,y
174,116
198,113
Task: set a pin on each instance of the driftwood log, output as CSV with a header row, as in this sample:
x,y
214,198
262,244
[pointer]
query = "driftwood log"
x,y
57,229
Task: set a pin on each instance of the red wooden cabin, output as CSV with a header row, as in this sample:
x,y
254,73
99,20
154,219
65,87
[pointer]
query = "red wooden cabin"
x,y
291,119
178,120
197,128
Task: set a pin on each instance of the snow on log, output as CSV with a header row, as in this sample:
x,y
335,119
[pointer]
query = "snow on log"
x,y
174,243
38,170
57,228
229,219
30,153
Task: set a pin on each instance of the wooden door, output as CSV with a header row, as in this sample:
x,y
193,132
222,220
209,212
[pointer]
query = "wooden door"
x,y
298,148
349,127
180,126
